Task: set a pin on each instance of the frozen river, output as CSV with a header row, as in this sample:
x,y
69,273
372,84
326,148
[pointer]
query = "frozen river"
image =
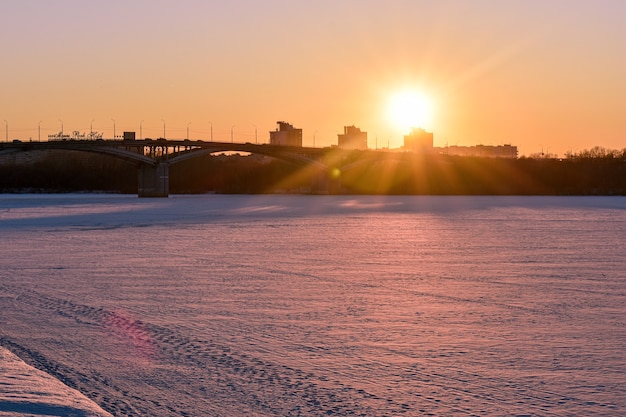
x,y
320,305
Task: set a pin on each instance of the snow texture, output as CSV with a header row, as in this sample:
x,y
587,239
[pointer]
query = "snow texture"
x,y
314,305
26,391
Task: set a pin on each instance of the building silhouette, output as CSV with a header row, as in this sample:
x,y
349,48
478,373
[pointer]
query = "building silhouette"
x,y
286,135
483,151
419,140
352,138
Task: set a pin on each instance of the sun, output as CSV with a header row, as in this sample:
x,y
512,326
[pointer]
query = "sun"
x,y
409,109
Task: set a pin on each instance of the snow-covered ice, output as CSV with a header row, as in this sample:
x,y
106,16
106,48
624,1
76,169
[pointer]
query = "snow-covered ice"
x,y
319,305
26,391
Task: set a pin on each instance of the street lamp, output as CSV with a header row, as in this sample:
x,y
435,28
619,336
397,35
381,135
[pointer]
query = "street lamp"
x,y
113,129
39,131
140,130
163,128
61,128
211,131
231,133
188,130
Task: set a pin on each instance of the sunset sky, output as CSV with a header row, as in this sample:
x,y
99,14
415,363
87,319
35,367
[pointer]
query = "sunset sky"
x,y
539,74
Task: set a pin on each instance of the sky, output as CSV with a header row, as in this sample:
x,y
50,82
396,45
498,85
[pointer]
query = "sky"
x,y
544,75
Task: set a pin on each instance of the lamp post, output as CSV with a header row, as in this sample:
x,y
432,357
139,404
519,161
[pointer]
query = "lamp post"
x,y
39,131
211,131
188,130
163,128
61,128
140,130
231,133
113,129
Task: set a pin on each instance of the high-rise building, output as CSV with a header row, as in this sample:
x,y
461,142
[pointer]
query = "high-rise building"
x,y
352,138
286,135
419,140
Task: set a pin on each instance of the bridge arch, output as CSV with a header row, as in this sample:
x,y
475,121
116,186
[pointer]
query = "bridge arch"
x,y
153,172
123,154
282,154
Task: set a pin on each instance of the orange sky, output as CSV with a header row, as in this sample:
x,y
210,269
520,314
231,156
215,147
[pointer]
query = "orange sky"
x,y
537,74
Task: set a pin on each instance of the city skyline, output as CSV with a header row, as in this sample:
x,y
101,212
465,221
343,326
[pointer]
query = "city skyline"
x,y
544,76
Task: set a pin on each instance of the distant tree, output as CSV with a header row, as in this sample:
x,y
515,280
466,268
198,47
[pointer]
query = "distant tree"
x,y
543,155
598,152
597,171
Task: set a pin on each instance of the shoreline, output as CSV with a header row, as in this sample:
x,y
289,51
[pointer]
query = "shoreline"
x,y
25,391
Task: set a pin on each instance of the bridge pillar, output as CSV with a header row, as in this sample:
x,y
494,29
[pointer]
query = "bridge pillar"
x,y
153,180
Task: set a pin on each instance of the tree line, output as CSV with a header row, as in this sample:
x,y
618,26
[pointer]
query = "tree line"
x,y
597,171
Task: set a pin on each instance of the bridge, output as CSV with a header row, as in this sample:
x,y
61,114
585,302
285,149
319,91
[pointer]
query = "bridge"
x,y
154,157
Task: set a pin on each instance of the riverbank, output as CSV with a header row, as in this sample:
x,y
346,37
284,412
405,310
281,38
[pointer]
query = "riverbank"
x,y
26,391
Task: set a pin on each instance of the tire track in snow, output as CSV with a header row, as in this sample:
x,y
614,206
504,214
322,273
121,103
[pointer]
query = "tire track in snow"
x,y
223,375
260,387
503,395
